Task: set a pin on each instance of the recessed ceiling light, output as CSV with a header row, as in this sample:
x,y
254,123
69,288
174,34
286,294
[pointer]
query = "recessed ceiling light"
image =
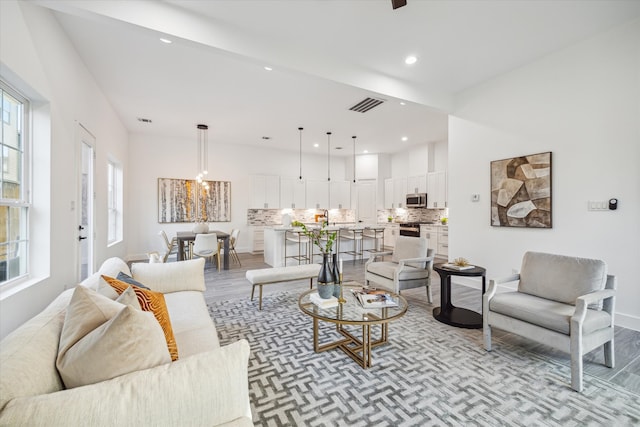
x,y
266,137
143,120
167,41
404,138
365,151
268,68
316,145
410,60
403,103
338,148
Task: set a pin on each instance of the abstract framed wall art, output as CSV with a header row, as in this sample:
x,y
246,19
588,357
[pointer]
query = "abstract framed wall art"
x,y
177,201
521,191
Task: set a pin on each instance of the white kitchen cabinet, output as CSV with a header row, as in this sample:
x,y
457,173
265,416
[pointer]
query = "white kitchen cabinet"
x,y
437,190
417,184
430,232
400,192
317,194
391,232
443,241
293,193
340,195
265,192
257,237
388,194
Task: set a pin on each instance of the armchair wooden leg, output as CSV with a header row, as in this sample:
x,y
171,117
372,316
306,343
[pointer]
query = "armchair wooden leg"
x,y
575,348
609,354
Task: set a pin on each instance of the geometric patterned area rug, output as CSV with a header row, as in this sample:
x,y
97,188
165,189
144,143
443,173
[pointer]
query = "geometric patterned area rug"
x,y
428,374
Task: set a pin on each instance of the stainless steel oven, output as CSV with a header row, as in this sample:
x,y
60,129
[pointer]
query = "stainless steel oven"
x,y
412,230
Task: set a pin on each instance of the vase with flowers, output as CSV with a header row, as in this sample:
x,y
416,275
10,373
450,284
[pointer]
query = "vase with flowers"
x,y
323,238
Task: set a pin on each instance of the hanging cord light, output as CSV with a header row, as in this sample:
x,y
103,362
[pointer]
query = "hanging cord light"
x,y
300,130
202,168
354,159
328,156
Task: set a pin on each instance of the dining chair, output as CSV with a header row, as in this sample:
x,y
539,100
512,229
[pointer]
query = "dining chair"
x,y
206,245
171,246
232,245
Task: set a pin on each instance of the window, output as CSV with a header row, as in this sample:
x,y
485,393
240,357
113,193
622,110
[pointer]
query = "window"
x,y
14,185
114,204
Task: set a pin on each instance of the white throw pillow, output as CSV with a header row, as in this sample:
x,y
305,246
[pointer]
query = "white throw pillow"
x,y
103,339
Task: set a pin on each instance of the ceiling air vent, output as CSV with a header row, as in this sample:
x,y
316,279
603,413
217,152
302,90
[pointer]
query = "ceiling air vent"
x,y
366,105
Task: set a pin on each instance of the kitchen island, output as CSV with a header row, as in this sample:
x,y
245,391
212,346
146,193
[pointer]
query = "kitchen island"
x,y
275,239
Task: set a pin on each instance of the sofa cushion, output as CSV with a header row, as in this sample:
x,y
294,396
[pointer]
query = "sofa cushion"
x,y
28,354
192,325
561,278
124,277
171,277
103,339
386,269
153,302
546,313
111,267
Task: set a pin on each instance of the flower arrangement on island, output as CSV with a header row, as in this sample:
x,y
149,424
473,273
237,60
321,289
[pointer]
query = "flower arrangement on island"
x,y
321,237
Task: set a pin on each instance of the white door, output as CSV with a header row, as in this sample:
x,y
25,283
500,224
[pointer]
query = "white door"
x,y
85,202
366,208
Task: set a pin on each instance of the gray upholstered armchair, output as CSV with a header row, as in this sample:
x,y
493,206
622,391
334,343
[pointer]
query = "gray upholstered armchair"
x,y
564,302
410,266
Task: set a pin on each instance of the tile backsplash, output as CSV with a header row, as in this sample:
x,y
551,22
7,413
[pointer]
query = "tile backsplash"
x,y
274,216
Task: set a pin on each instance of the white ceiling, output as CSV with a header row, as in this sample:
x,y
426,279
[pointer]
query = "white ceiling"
x,y
326,56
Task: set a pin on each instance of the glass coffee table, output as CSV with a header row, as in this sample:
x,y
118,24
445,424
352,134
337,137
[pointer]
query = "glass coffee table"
x,y
351,313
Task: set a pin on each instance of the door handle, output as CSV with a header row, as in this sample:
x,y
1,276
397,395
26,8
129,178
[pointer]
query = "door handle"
x,y
81,238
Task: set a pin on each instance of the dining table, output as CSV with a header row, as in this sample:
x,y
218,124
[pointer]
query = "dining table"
x,y
185,237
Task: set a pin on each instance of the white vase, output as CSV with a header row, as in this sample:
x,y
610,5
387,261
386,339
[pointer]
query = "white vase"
x,y
201,227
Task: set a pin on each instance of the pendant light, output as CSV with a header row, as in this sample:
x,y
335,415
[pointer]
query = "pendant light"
x,y
202,168
300,130
354,159
328,156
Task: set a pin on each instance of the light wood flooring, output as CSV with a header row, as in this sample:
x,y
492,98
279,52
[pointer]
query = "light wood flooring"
x,y
232,285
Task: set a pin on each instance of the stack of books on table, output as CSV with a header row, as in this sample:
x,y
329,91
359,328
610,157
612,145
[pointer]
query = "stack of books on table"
x,y
458,267
323,303
374,298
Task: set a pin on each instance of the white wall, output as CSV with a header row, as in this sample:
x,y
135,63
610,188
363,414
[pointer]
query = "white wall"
x,y
581,103
154,157
37,57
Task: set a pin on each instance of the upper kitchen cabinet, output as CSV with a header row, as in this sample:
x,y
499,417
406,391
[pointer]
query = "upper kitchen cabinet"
x,y
340,195
317,194
265,192
400,192
417,184
293,193
395,193
437,190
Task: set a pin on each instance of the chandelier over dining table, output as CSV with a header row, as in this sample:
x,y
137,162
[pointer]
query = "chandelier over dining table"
x,y
201,185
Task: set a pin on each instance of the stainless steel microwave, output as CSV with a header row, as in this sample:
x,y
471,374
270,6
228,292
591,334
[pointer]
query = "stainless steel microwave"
x,y
418,200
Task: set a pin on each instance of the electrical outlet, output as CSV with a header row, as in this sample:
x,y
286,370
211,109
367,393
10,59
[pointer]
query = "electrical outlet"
x,y
475,197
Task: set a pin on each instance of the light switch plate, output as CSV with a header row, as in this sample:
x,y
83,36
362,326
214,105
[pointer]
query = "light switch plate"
x,y
597,205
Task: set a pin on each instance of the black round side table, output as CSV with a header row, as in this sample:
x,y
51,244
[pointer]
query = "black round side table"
x,y
447,312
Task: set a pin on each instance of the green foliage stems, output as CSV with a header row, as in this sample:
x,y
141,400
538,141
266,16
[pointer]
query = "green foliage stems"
x,y
316,235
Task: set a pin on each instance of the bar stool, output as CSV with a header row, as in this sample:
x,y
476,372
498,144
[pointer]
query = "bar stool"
x,y
351,235
303,242
377,235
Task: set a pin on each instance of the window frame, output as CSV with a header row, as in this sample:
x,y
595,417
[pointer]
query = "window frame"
x,y
115,199
23,202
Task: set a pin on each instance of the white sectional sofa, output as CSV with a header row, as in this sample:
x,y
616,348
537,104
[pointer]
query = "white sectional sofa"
x,y
207,385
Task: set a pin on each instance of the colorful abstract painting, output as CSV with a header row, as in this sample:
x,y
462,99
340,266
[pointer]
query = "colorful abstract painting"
x,y
521,191
177,201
